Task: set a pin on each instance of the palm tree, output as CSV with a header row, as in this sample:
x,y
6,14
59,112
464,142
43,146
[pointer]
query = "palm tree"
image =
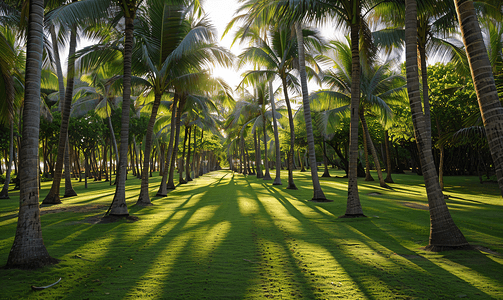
x,y
444,234
487,95
53,195
28,249
10,57
259,13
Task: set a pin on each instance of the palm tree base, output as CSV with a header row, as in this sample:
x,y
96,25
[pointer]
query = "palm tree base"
x,y
369,178
389,180
144,203
277,183
353,216
51,199
326,175
438,248
292,187
35,263
384,185
70,193
321,200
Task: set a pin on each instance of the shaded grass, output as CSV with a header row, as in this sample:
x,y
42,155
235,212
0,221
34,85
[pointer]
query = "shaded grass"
x,y
225,235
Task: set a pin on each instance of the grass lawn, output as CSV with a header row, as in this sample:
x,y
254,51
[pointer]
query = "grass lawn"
x,y
228,236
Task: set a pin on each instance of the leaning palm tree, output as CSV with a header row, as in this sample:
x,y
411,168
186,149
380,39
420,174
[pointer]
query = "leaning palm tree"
x,y
28,249
444,234
483,79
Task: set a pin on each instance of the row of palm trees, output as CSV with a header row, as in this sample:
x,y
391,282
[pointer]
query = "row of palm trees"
x,y
166,47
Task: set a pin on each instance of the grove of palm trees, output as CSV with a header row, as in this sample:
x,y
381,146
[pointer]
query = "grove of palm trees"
x,y
311,173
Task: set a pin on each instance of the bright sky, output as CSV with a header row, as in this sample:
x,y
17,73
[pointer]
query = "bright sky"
x,y
221,13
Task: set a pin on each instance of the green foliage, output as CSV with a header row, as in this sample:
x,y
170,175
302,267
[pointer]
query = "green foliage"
x,y
87,132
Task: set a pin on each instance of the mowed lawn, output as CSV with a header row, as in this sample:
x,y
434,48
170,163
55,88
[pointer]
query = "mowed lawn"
x,y
230,236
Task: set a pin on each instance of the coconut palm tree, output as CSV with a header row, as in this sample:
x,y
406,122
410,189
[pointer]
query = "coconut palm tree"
x,y
483,79
444,234
28,249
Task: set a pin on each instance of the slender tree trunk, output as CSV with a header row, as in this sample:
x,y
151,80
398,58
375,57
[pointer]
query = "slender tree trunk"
x,y
388,158
325,160
258,157
374,153
318,194
353,207
487,95
444,234
426,97
368,177
291,184
267,175
182,160
163,190
28,249
187,165
118,206
53,195
277,179
144,198
181,104
4,194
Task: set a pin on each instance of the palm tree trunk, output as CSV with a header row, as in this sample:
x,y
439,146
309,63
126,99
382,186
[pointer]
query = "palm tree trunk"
x,y
388,159
368,177
181,104
354,207
291,184
267,175
487,95
257,155
4,194
426,97
325,161
118,206
163,190
187,165
28,249
444,234
318,194
53,195
374,153
277,179
182,160
144,198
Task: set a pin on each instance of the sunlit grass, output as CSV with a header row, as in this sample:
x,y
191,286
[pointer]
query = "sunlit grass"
x,y
226,235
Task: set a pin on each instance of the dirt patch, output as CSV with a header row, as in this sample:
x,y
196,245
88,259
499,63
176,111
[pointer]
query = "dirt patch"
x,y
416,205
487,250
74,208
375,194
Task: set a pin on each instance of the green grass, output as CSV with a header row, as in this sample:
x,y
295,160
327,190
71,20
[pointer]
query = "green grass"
x,y
227,236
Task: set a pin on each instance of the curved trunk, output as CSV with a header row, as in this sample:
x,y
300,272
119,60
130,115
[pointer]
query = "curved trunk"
x,y
426,97
277,180
53,195
28,249
144,198
444,234
374,153
118,206
318,194
388,159
487,95
354,208
291,184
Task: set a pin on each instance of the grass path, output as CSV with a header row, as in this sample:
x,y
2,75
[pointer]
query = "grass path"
x,y
227,236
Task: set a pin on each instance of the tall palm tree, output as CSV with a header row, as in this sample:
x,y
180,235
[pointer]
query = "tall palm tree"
x,y
28,249
483,79
444,234
53,195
